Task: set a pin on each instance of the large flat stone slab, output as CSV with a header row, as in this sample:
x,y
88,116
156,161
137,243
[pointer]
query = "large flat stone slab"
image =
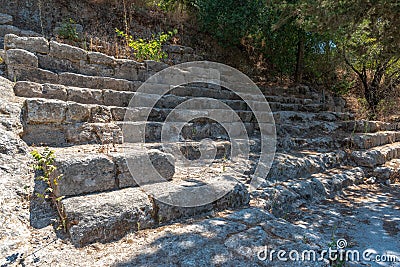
x,y
108,216
376,156
94,171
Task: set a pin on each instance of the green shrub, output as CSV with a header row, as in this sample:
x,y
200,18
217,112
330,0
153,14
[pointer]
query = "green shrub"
x,y
44,163
68,30
171,5
230,20
148,49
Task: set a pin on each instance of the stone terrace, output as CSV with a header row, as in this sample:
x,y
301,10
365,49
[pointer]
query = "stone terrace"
x,y
75,101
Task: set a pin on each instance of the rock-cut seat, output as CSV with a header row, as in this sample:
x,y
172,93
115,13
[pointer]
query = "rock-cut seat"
x,y
84,171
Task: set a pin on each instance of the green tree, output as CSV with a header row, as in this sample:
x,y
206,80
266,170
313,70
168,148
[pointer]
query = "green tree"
x,y
367,35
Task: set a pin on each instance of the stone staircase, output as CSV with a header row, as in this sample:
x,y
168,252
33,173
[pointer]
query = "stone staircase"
x,y
75,101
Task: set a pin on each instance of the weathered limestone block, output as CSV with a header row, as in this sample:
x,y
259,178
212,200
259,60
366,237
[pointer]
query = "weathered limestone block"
x,y
108,216
28,89
100,114
84,173
77,112
370,158
21,57
55,91
32,44
101,59
79,80
81,133
32,89
162,162
152,131
116,84
155,66
118,113
117,98
65,51
44,134
56,64
143,74
93,133
5,19
127,69
44,111
24,73
95,69
85,95
237,196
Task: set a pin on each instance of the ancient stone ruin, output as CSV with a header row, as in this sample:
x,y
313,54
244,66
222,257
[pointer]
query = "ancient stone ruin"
x,y
75,101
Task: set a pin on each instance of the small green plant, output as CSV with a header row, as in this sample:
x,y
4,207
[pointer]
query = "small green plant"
x,y
68,30
148,49
340,261
45,164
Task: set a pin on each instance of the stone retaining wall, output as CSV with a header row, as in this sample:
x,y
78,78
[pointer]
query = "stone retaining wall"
x,y
38,52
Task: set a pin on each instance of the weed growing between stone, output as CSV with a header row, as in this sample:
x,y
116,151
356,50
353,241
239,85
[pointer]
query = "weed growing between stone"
x,y
148,49
44,163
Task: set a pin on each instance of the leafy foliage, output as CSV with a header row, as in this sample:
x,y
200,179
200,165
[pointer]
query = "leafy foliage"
x,y
170,5
325,40
148,49
45,164
230,20
68,30
367,37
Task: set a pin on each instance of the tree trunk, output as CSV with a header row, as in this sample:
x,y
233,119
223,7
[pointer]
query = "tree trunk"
x,y
298,76
373,93
372,96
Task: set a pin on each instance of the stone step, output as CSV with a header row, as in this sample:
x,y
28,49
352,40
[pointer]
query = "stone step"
x,y
369,140
41,110
283,197
108,216
291,116
300,91
26,73
293,165
389,173
60,57
51,111
312,129
44,111
71,122
319,144
376,156
190,131
364,126
56,134
122,98
92,169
